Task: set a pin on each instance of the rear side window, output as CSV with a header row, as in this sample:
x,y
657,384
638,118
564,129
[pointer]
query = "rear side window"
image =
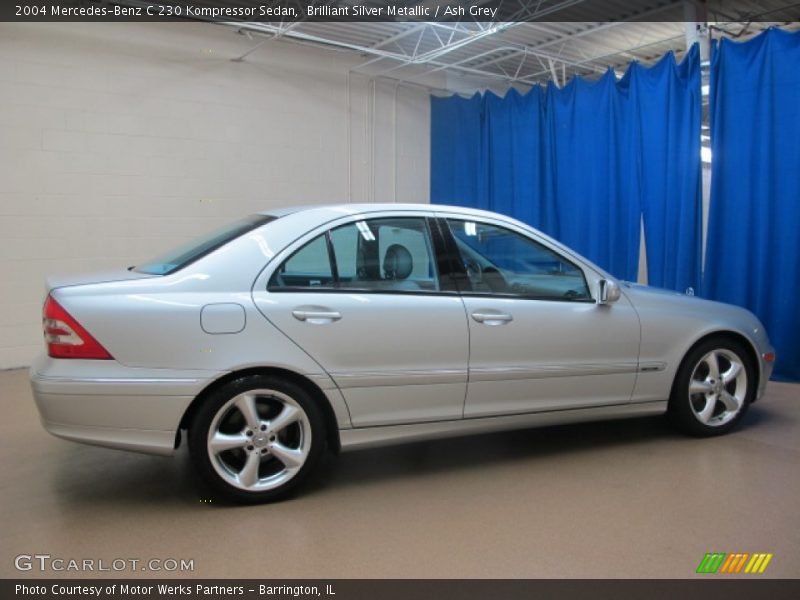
x,y
385,254
185,254
308,267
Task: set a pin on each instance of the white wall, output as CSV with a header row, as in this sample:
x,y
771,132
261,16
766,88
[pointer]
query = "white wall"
x,y
120,140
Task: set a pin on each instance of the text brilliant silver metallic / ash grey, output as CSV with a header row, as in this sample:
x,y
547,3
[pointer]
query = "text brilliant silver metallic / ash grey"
x,y
300,330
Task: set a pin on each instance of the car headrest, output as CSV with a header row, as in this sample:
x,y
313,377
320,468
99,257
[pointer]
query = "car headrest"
x,y
397,263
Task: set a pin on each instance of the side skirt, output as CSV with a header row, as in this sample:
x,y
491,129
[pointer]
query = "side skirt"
x,y
369,437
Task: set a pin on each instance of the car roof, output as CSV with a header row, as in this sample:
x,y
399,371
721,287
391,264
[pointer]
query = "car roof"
x,y
299,219
355,208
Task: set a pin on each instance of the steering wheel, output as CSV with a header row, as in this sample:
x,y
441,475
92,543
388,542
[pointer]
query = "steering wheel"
x,y
473,270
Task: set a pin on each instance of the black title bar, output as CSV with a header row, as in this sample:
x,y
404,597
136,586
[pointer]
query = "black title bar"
x,y
399,589
466,11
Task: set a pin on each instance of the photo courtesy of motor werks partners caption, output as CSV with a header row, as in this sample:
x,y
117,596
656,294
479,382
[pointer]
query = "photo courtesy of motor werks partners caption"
x,y
166,589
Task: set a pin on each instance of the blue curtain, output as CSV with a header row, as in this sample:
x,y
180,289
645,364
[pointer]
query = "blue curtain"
x,y
595,182
667,102
753,251
515,158
456,155
575,163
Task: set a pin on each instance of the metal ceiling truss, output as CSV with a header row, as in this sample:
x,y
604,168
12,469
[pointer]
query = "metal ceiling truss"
x,y
523,50
524,57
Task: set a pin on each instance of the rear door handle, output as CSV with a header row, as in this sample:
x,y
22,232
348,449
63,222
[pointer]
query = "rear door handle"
x,y
316,317
492,318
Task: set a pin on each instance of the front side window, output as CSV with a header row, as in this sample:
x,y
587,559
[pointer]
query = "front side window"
x,y
501,261
388,254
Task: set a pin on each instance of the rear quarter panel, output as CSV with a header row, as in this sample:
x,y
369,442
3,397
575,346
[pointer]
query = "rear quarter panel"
x,y
155,323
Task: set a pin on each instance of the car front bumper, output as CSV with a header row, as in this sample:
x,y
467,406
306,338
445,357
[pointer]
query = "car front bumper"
x,y
766,371
104,403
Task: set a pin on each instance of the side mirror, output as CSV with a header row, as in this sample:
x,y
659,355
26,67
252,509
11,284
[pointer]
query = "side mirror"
x,y
607,291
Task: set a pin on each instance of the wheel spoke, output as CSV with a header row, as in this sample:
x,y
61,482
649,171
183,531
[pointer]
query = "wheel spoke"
x,y
713,365
720,377
731,373
255,426
290,457
287,416
248,476
699,387
708,410
730,401
222,442
246,403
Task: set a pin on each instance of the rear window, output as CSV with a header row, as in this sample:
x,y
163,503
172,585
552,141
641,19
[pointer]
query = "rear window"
x,y
187,253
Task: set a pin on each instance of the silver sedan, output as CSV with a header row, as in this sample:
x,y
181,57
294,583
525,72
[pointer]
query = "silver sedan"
x,y
339,327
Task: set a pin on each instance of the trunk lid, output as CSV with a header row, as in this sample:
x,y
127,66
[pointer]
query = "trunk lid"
x,y
121,274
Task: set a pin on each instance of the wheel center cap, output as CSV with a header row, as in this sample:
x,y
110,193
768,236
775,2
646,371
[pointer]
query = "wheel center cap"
x,y
259,440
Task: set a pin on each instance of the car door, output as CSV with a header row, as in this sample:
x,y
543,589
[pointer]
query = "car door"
x,y
367,301
538,339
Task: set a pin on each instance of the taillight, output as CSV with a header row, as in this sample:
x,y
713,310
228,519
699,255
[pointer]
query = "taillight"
x,y
66,338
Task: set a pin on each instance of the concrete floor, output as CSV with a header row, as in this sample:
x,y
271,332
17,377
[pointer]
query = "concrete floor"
x,y
621,499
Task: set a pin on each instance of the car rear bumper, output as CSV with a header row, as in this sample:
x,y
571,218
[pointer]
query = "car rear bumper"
x,y
107,404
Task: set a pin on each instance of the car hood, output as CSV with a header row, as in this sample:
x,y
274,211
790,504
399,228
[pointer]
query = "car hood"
x,y
644,293
657,302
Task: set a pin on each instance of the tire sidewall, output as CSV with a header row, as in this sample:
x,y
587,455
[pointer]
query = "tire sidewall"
x,y
680,410
199,428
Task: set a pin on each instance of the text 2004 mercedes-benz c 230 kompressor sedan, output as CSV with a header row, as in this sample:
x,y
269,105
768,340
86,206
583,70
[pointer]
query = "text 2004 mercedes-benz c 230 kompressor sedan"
x,y
347,326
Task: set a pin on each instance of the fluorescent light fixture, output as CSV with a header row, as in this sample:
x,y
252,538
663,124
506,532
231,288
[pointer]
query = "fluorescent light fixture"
x,y
705,89
366,233
705,154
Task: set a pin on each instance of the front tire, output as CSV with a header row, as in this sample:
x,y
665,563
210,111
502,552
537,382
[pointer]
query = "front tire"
x,y
713,388
257,438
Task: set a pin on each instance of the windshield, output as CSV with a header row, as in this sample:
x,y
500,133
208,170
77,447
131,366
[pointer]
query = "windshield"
x,y
187,253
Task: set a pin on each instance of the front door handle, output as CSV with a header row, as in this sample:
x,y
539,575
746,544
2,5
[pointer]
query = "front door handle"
x,y
492,318
316,317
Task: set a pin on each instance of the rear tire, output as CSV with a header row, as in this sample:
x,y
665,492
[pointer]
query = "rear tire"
x,y
257,438
714,387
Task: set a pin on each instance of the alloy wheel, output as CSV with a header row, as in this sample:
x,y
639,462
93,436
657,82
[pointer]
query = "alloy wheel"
x,y
259,440
717,387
